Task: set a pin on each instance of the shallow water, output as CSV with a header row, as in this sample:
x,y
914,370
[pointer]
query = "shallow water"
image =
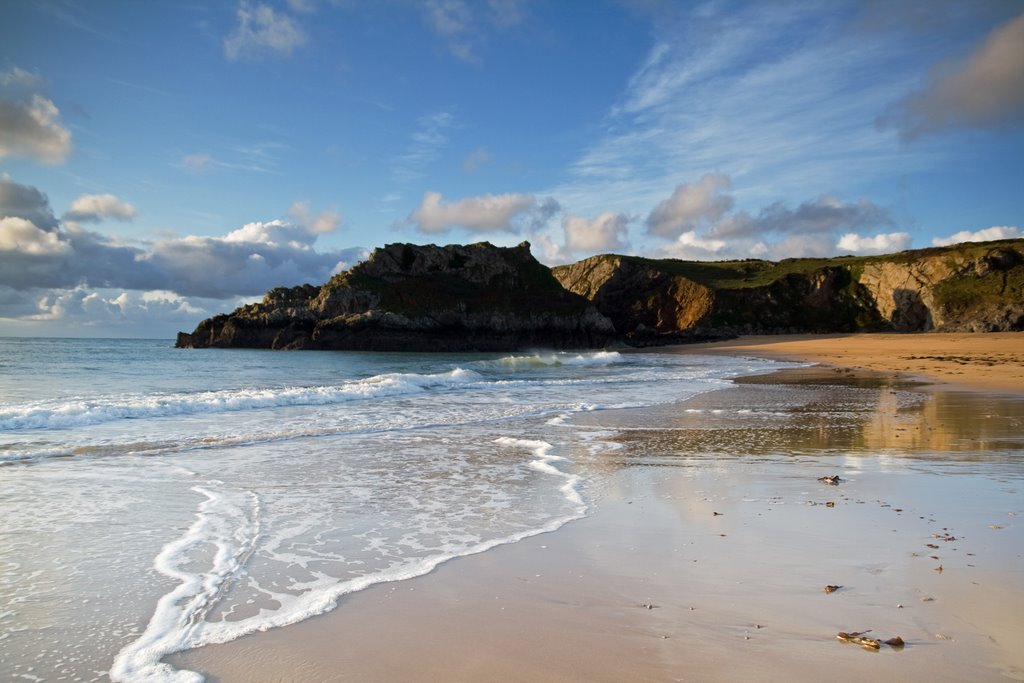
x,y
706,544
155,500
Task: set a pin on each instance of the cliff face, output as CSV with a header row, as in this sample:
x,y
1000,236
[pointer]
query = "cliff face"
x,y
424,298
952,290
967,287
481,297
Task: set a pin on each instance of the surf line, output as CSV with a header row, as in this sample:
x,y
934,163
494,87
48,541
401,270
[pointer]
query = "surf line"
x,y
178,620
544,462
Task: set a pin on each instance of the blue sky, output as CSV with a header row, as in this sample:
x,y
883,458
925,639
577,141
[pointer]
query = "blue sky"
x,y
162,162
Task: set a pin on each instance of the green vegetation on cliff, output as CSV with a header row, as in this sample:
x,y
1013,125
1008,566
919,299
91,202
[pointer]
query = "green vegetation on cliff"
x,y
974,286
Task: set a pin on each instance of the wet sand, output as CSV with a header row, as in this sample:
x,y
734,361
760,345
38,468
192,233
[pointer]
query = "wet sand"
x,y
707,549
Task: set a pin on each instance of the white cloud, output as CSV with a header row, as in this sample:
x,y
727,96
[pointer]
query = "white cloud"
x,y
102,312
700,218
95,207
39,252
551,252
261,30
693,247
486,213
20,235
883,243
996,232
82,305
690,205
985,90
33,129
604,233
318,224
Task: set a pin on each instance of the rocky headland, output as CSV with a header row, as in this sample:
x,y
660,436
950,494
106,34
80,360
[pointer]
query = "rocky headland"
x,y
971,287
406,297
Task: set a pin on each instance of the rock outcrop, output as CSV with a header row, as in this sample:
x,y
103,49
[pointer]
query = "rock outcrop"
x,y
481,297
418,298
969,288
966,287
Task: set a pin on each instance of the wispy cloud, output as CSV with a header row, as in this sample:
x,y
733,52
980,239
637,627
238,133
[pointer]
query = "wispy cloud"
x,y
425,146
259,158
262,30
476,159
72,14
782,99
463,26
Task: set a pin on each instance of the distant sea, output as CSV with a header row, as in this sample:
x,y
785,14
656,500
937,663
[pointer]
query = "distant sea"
x,y
154,499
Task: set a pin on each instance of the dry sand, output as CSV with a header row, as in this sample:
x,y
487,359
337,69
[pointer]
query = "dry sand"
x,y
992,362
710,540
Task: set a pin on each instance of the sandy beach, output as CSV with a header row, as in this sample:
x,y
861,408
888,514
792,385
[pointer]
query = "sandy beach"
x,y
711,539
992,362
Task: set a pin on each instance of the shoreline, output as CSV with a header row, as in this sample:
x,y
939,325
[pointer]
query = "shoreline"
x,y
991,362
707,546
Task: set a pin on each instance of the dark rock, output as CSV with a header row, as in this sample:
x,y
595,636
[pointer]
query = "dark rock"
x,y
419,298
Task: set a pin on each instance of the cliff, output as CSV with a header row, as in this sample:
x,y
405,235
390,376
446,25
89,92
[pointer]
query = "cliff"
x,y
976,287
481,297
418,298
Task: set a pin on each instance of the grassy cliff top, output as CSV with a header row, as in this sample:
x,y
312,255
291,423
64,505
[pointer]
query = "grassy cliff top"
x,y
755,272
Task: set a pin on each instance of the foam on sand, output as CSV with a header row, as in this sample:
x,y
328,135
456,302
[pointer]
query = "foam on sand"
x,y
228,531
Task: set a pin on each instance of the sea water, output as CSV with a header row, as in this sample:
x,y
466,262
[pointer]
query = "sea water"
x,y
154,500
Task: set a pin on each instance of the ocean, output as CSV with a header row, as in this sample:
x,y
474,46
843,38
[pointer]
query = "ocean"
x,y
155,500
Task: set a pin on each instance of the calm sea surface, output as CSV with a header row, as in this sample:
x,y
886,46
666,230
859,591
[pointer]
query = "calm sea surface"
x,y
154,499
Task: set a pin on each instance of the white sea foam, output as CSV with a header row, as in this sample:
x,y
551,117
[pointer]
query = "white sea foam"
x,y
545,463
232,530
76,413
230,524
552,358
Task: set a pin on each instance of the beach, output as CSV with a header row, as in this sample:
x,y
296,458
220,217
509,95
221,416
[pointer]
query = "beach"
x,y
711,537
988,362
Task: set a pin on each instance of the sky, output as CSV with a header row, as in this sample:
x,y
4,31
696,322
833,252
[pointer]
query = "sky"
x,y
161,162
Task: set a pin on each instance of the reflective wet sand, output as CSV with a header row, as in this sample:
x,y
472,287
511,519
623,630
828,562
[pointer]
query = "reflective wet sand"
x,y
708,548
